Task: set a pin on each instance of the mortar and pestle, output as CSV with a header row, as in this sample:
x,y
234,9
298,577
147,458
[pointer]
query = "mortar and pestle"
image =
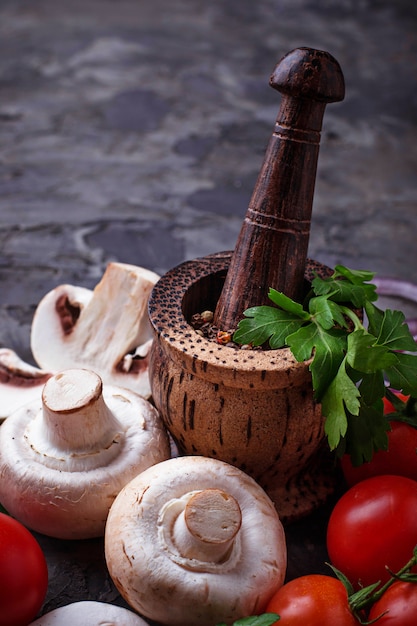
x,y
254,408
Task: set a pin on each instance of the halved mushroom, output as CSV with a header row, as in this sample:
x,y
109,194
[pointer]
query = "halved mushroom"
x,y
106,330
90,613
20,382
194,540
64,459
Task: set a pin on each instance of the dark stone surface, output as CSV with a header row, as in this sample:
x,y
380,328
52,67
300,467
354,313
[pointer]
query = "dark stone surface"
x,y
135,131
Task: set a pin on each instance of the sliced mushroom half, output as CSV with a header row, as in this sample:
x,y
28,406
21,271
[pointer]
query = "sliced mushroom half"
x,y
20,382
64,459
106,330
193,540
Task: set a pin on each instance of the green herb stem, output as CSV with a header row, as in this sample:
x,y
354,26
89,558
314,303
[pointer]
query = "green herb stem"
x,y
353,317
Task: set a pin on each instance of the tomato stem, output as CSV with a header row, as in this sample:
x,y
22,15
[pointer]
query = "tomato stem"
x,y
364,598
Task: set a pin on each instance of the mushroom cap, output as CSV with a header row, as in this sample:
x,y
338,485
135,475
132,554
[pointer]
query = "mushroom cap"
x,y
90,613
157,580
52,490
105,329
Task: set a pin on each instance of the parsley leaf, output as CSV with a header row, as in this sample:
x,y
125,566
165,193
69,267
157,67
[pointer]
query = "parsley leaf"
x,y
287,304
328,347
367,433
349,362
402,375
266,322
394,332
346,286
340,399
365,355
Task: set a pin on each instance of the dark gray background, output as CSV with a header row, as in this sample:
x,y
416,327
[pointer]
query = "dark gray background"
x,y
134,130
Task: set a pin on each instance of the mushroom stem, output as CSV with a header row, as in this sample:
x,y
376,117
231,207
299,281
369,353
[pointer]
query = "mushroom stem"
x,y
205,530
75,423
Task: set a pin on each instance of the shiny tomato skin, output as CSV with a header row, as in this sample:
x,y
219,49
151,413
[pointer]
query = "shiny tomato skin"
x,y
312,600
399,603
372,526
399,459
23,574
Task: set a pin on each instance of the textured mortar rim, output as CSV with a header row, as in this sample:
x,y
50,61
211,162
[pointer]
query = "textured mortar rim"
x,y
166,315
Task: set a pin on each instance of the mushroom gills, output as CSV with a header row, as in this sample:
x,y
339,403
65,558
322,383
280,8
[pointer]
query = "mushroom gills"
x,y
20,382
106,330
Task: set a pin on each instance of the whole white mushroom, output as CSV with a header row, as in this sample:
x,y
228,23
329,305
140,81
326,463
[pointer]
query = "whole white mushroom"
x,y
90,613
64,459
194,540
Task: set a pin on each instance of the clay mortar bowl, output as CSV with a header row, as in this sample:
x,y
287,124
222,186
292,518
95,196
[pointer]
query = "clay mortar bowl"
x,y
251,408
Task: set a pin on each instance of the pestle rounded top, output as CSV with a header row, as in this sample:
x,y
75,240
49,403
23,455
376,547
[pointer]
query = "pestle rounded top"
x,y
309,73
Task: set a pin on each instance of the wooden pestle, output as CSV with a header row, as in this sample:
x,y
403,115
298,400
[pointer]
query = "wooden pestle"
x,y
271,249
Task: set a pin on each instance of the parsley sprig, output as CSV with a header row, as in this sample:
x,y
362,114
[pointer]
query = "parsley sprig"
x,y
352,364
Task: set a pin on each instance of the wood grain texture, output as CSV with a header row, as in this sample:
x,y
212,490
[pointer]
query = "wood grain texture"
x,y
251,408
271,249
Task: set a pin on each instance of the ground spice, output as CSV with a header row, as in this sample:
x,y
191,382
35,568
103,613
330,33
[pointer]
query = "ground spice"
x,y
204,326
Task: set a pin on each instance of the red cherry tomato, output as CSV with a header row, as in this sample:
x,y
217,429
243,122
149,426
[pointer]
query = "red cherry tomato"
x,y
400,458
399,603
372,526
313,600
23,574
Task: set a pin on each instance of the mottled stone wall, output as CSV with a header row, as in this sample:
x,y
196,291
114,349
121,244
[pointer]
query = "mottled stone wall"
x,y
135,131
